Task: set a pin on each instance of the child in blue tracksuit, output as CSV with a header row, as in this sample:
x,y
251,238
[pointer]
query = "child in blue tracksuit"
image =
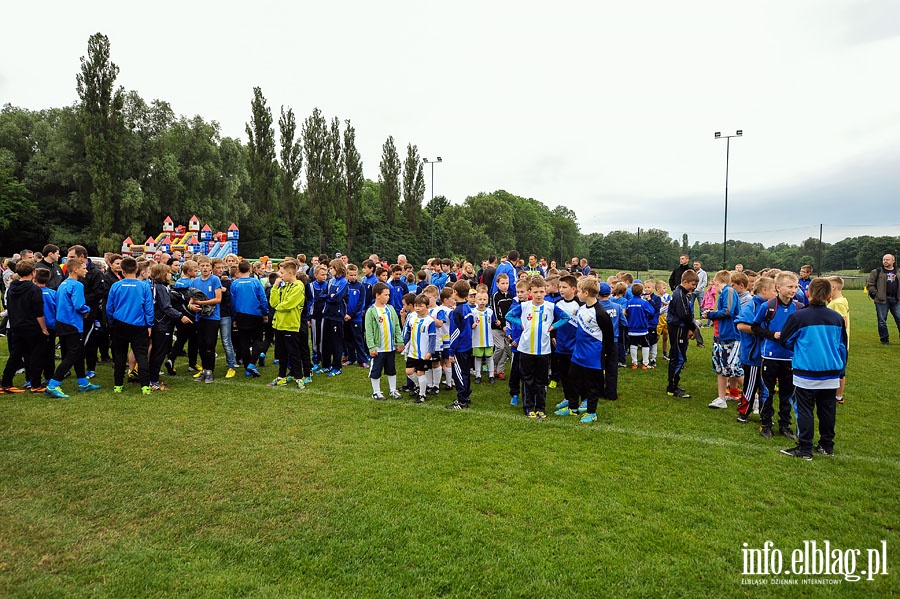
x,y
129,309
251,311
354,336
513,332
42,278
639,311
617,316
818,337
751,356
333,315
70,312
460,351
726,357
315,308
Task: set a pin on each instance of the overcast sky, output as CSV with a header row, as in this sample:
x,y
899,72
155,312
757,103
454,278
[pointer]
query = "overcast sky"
x,y
608,108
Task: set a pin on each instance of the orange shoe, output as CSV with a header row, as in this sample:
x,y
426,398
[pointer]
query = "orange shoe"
x,y
501,375
634,366
644,367
13,390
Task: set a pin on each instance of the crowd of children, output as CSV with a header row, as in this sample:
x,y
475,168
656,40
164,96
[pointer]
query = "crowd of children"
x,y
533,328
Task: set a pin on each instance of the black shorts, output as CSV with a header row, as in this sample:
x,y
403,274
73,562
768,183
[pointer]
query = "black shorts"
x,y
437,357
639,340
652,336
383,361
418,364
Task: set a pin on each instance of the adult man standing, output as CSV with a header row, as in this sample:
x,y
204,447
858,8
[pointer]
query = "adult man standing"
x,y
884,288
489,272
675,277
702,281
50,261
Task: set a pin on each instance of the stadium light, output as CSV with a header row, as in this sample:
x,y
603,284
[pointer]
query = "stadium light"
x,y
432,162
727,138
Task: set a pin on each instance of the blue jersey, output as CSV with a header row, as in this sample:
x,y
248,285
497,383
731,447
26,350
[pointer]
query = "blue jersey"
x,y
131,302
49,307
616,314
70,305
249,297
588,347
208,287
461,320
751,344
728,308
565,336
336,299
639,312
818,338
356,300
772,322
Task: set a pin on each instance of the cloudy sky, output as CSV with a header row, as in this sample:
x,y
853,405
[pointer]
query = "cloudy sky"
x,y
606,107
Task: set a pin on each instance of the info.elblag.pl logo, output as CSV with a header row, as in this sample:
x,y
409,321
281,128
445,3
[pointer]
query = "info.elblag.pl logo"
x,y
831,565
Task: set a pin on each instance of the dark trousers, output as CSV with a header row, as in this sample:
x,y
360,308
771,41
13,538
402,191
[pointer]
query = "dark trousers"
x,y
461,366
160,346
207,335
515,376
287,345
185,334
355,343
588,385
535,378
332,344
92,333
249,338
822,401
50,355
777,372
29,348
305,358
563,364
752,386
269,336
678,339
315,326
121,337
611,376
71,349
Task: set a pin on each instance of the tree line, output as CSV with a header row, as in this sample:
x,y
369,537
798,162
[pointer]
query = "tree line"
x,y
113,165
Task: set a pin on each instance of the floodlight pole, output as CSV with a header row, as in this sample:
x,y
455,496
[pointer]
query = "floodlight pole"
x,y
431,162
727,139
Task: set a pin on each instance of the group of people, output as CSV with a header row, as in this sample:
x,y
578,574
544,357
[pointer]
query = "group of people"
x,y
524,322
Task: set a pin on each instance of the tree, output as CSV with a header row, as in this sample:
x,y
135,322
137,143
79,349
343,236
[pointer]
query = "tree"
x,y
389,177
291,166
413,188
316,151
263,170
103,126
353,177
566,236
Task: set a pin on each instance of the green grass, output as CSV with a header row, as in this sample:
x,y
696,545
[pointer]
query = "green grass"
x,y
236,489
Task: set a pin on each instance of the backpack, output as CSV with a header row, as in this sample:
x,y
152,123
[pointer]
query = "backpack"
x,y
772,306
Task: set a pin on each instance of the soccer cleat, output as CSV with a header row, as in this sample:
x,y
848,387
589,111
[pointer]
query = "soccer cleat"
x,y
275,361
195,368
583,407
622,364
146,390
566,412
12,390
316,369
420,399
679,393
199,374
645,367
787,433
307,380
208,379
55,392
262,360
170,367
796,452
333,372
718,403
229,374
501,375
514,400
289,378
492,380
563,404
634,366
765,432
477,380
589,418
300,385
251,370
378,397
823,451
458,405
743,418
90,374
132,376
395,394
160,386
540,415
88,387
532,415
118,389
552,384
38,389
278,382
652,363
432,391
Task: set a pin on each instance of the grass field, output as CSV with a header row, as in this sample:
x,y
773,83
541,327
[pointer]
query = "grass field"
x,y
235,489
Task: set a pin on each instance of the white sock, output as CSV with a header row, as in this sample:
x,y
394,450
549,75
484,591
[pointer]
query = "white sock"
x,y
491,366
392,382
653,352
423,384
633,349
448,376
645,354
478,366
376,386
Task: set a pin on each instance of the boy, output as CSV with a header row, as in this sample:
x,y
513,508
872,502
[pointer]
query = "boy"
x,y
315,295
751,356
43,278
770,318
482,338
208,321
448,304
681,330
398,288
383,339
513,332
460,350
653,322
620,296
251,311
591,351
129,310
420,337
27,332
69,320
335,310
564,340
357,300
616,317
639,312
537,319
740,282
225,315
165,316
662,329
818,339
184,333
500,304
726,356
840,305
287,297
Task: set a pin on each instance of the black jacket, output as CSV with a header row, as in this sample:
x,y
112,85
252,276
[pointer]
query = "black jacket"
x,y
25,303
675,277
56,273
95,289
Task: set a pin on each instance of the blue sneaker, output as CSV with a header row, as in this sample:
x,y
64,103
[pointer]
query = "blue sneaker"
x,y
247,373
583,407
514,400
275,361
88,387
90,374
316,369
307,380
251,370
55,392
589,418
334,372
262,360
566,412
563,404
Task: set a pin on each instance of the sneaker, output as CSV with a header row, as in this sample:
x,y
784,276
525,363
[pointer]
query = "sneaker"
x,y
229,374
765,432
679,393
541,416
278,382
12,390
478,381
132,376
457,405
563,404
55,392
532,415
420,399
552,384
300,386
262,360
199,374
88,387
275,361
307,380
566,412
718,403
91,374
634,366
289,379
645,367
334,372
787,433
823,451
346,363
160,386
622,364
589,418
756,406
491,380
514,400
118,389
395,394
583,407
501,375
195,368
38,389
652,363
251,370
743,418
796,452
170,367
146,390
316,369
665,356
379,397
208,379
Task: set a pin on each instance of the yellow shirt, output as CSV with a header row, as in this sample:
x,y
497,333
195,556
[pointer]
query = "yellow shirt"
x,y
842,307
